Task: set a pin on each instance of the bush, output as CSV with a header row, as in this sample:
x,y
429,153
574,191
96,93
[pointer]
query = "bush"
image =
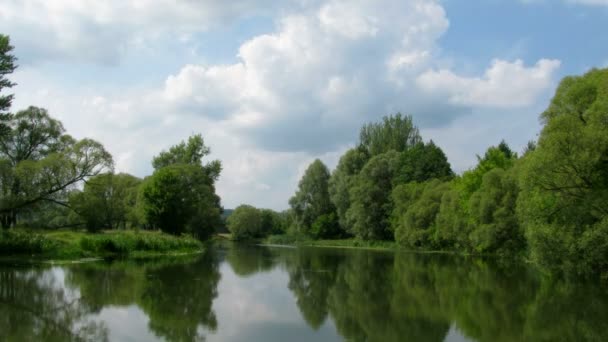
x,y
326,227
22,242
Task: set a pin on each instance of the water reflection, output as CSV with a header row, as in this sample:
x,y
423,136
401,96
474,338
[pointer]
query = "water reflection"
x,y
235,293
34,307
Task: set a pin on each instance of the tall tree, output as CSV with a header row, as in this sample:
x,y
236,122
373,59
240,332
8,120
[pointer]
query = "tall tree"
x,y
38,162
180,196
7,66
424,162
371,197
189,152
394,133
342,180
565,179
311,201
245,222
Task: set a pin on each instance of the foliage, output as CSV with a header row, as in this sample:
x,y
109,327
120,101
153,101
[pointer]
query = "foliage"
x,y
180,199
7,66
394,133
246,222
500,156
191,152
565,179
342,180
415,214
311,201
370,195
424,162
38,163
106,201
69,244
274,222
496,227
326,226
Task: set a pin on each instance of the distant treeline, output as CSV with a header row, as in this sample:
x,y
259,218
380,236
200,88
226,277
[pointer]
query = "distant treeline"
x,y
548,204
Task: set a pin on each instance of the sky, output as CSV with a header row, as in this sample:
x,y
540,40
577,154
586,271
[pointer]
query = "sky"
x,y
273,85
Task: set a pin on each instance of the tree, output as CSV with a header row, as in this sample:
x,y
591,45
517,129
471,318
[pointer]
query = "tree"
x,y
246,222
180,196
495,225
394,133
500,156
424,162
180,199
105,200
565,179
370,195
7,66
273,222
342,180
191,152
312,198
416,208
38,162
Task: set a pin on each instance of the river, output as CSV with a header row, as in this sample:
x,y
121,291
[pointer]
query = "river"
x,y
255,293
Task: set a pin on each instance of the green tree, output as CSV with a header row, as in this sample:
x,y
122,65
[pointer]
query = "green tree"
x,y
371,197
452,222
189,152
246,222
565,179
311,201
416,208
180,199
273,222
500,156
7,66
394,133
38,162
105,200
495,225
342,180
423,162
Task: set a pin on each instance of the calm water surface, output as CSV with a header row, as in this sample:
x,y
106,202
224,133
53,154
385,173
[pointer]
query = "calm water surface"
x,y
248,293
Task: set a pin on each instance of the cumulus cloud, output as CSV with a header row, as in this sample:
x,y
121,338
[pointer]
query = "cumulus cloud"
x,y
504,84
102,31
299,92
312,83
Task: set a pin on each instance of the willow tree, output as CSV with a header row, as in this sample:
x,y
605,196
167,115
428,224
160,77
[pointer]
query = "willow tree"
x,y
39,162
564,201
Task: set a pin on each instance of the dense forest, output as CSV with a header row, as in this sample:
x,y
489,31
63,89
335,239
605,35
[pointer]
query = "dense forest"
x,y
49,180
548,204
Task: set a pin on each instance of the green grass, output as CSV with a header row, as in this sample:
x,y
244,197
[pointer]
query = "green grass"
x,y
303,240
73,245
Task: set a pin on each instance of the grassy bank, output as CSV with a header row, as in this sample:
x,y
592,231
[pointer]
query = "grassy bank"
x,y
302,240
73,245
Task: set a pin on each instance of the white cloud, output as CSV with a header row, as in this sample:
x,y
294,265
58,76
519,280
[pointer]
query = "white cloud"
x,y
294,94
504,84
102,31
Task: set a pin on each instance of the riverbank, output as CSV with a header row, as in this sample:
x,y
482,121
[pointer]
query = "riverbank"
x,y
300,240
66,245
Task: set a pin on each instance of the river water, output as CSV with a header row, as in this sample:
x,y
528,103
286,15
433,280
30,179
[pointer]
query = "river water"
x,y
254,293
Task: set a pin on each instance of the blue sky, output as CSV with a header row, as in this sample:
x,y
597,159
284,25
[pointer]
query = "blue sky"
x,y
274,85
